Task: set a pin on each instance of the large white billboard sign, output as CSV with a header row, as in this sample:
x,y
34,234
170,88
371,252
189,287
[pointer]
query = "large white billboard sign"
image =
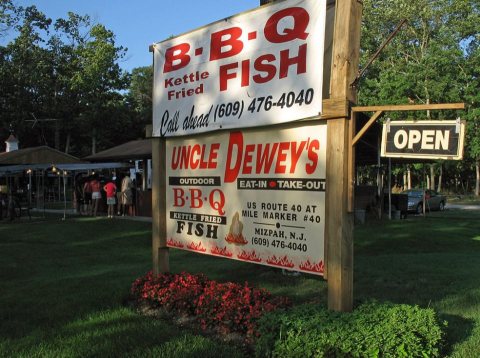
x,y
258,68
250,195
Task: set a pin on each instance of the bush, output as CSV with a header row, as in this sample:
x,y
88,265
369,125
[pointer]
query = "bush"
x,y
233,307
225,307
173,292
371,330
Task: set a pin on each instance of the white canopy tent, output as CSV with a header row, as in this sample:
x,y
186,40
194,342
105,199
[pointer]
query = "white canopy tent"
x,y
11,170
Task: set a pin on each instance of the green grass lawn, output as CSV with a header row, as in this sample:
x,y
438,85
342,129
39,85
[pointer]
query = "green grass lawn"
x,y
64,284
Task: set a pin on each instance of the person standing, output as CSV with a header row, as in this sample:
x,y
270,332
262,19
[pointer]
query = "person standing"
x,y
87,196
96,194
78,193
118,184
126,194
110,188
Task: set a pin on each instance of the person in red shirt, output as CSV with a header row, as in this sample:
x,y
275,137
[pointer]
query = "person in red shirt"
x,y
110,188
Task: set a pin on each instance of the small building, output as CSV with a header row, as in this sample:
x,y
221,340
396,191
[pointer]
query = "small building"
x,y
12,143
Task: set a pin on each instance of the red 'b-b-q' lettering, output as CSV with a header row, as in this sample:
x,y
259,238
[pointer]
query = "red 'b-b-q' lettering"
x,y
228,38
176,57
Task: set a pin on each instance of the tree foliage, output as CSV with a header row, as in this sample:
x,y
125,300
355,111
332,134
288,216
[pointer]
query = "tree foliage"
x,y
140,92
7,16
434,58
67,70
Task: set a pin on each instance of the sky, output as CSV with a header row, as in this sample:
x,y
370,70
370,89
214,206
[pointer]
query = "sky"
x,y
139,23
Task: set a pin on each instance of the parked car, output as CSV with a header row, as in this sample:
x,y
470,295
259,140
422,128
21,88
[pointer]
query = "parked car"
x,y
433,199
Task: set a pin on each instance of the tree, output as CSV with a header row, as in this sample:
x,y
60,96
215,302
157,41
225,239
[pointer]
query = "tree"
x,y
99,78
72,75
140,92
24,72
433,59
70,33
422,62
472,95
8,13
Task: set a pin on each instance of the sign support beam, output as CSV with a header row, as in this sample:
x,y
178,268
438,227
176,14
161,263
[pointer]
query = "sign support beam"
x,y
159,225
402,107
160,250
339,222
409,107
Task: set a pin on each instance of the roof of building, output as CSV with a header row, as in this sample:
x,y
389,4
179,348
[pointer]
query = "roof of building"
x,y
37,155
133,150
11,139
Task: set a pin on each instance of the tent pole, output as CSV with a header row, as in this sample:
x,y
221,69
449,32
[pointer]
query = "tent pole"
x,y
64,197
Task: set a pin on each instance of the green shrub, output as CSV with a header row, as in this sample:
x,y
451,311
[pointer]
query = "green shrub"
x,y
371,330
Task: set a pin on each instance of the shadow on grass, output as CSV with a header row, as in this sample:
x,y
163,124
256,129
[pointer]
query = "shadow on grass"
x,y
121,333
443,232
459,329
430,262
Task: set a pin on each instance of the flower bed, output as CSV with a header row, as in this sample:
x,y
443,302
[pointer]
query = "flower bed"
x,y
223,307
